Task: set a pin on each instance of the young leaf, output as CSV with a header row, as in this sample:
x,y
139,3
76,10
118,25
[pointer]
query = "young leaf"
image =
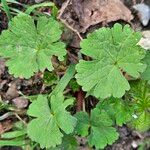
x,y
29,47
69,143
83,123
142,122
100,125
50,118
113,51
140,93
146,74
117,109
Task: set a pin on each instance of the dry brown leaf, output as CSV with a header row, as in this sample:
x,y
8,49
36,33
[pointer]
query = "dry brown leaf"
x,y
85,13
5,126
12,91
20,102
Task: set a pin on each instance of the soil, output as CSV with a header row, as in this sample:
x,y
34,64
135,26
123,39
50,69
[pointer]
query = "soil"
x,y
9,86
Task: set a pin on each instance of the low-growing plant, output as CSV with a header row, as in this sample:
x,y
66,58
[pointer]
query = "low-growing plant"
x,y
117,75
29,46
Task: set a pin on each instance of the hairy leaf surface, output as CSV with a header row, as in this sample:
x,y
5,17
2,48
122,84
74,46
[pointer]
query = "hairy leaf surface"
x,y
100,126
29,47
140,92
142,122
45,128
146,74
119,110
113,51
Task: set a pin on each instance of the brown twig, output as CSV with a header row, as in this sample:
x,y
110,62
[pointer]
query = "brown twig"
x,y
80,100
19,118
64,21
64,6
71,28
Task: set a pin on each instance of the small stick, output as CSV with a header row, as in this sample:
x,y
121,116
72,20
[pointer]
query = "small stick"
x,y
20,119
71,28
63,9
64,22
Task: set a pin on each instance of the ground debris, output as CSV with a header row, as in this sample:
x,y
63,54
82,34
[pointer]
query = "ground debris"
x,y
145,40
81,14
12,91
5,126
20,102
2,66
143,13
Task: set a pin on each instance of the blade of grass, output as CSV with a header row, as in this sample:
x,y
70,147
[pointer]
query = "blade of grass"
x,y
64,80
33,7
6,9
15,11
12,142
13,134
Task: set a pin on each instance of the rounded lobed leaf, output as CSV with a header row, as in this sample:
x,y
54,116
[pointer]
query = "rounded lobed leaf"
x,y
98,128
113,51
29,47
45,127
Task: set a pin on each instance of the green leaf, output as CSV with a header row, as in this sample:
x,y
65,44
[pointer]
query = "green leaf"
x,y
140,91
146,74
142,122
74,85
119,110
14,142
64,80
113,51
100,127
29,47
6,9
50,118
140,94
69,143
50,78
83,123
13,134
